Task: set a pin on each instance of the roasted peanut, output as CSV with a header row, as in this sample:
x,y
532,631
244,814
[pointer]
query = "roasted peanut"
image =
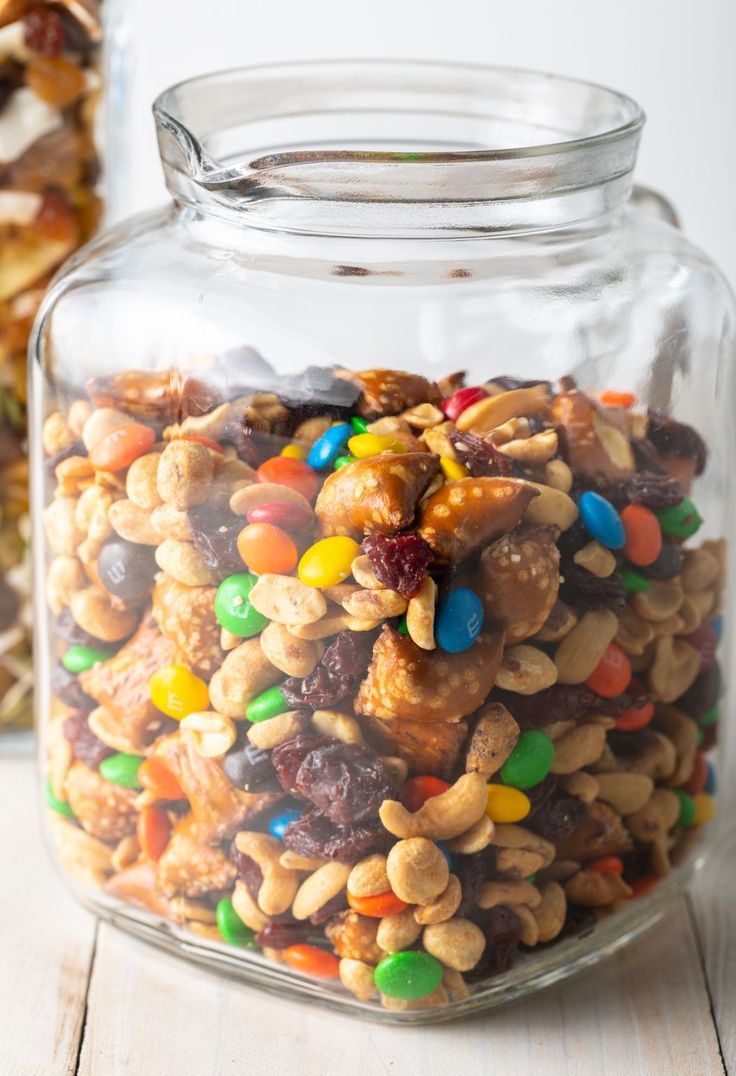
x,y
333,723
133,523
675,666
287,600
398,932
581,650
283,727
417,870
660,600
184,563
474,839
420,615
550,912
558,475
657,818
595,890
212,734
357,977
369,877
140,482
700,570
185,473
97,613
294,657
60,526
581,784
596,559
579,747
244,673
626,792
444,906
364,575
551,508
525,670
374,604
458,943
56,434
168,522
64,578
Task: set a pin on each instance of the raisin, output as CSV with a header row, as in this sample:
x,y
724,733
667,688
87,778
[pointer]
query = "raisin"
x,y
44,31
647,458
637,863
503,931
249,871
76,448
704,693
672,438
9,605
315,836
472,872
67,688
655,491
250,768
630,744
558,817
215,533
343,665
667,565
585,592
288,757
68,630
87,747
338,904
400,561
628,700
277,935
346,781
579,921
561,702
482,458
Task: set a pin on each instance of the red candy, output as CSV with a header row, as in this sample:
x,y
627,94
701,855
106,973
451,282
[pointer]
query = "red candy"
x,y
417,790
698,777
265,548
606,865
286,514
284,471
612,674
705,641
153,830
454,405
125,444
310,960
643,534
636,718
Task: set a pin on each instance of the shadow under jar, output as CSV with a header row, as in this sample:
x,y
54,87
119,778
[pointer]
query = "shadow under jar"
x,y
379,602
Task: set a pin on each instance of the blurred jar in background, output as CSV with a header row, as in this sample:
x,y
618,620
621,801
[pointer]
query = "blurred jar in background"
x,y
51,83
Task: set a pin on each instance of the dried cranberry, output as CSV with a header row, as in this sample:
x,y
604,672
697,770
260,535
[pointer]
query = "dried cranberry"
x,y
214,532
314,835
277,935
44,31
586,592
67,688
249,871
288,757
338,904
343,665
503,931
473,872
86,746
561,702
667,565
672,438
637,863
704,693
647,458
346,781
655,491
558,818
400,561
482,458
250,768
9,605
76,448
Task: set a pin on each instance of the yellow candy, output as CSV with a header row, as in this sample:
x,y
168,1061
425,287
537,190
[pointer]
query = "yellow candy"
x,y
328,562
370,444
452,470
705,808
294,452
176,691
506,804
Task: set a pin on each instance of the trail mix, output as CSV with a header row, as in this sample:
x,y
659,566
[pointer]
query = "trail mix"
x,y
48,173
385,678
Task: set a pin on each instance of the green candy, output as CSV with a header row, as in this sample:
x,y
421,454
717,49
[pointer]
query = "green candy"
x,y
231,926
78,659
711,717
681,520
531,879
699,736
267,705
530,761
121,770
403,626
687,808
343,461
360,425
233,609
408,975
633,582
55,804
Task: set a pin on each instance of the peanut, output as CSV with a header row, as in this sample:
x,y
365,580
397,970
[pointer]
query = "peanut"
x,y
294,657
369,877
185,473
97,613
319,888
213,734
133,523
442,907
140,482
357,977
397,932
287,600
580,747
184,563
420,615
458,943
626,792
417,870
581,650
526,670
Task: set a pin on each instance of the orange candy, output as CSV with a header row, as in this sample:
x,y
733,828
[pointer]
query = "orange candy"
x,y
284,471
125,444
266,548
153,830
606,865
310,960
158,779
378,906
643,534
417,790
613,398
612,674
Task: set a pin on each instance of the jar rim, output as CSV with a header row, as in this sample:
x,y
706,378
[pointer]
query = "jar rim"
x,y
393,132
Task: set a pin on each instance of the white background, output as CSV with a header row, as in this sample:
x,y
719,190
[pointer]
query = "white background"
x,y
675,56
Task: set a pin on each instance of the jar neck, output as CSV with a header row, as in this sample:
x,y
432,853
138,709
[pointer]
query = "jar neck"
x,y
425,150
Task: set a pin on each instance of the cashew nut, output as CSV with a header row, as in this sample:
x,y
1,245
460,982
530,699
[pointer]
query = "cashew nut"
x,y
247,909
441,817
279,886
655,819
513,892
475,839
363,574
551,912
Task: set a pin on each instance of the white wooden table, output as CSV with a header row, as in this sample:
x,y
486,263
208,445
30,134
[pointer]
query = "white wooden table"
x,y
80,997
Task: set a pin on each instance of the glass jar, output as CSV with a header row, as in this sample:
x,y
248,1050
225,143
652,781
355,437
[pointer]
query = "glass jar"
x,y
50,86
379,604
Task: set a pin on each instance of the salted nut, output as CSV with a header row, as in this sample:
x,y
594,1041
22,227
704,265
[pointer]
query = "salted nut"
x,y
441,817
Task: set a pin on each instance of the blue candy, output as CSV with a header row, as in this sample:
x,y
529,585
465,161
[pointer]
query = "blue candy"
x,y
601,520
710,781
459,620
279,822
443,848
717,625
326,449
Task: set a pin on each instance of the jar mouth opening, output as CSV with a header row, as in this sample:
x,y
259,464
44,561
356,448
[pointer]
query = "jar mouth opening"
x,y
380,131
